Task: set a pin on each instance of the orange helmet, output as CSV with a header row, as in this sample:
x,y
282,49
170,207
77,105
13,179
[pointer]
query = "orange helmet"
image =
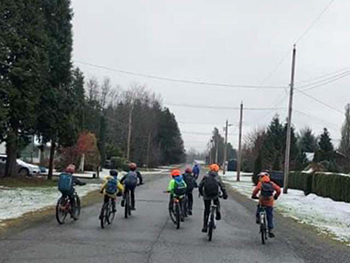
x,y
214,167
70,168
264,176
132,166
175,173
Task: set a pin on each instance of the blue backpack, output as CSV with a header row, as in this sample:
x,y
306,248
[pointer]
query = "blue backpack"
x,y
111,187
180,186
65,184
131,179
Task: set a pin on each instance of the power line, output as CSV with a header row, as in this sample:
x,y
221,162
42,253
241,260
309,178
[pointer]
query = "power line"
x,y
317,118
314,22
237,86
322,76
320,102
217,107
324,82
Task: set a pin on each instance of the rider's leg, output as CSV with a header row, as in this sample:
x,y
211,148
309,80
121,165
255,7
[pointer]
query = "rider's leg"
x,y
269,214
257,214
171,202
132,192
207,204
190,202
114,209
72,205
218,212
124,196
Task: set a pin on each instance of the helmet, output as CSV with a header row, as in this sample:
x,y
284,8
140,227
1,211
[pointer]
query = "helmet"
x,y
113,172
132,166
175,173
188,170
214,167
263,174
70,168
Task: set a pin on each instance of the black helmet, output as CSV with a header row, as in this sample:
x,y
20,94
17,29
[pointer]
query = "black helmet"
x,y
113,172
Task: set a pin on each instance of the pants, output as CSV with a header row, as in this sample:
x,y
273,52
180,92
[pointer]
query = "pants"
x,y
196,175
132,193
207,205
106,199
190,200
269,214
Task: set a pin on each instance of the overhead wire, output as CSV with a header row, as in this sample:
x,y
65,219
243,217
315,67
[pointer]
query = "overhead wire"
x,y
215,107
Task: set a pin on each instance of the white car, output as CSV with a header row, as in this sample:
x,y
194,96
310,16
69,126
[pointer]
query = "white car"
x,y
24,169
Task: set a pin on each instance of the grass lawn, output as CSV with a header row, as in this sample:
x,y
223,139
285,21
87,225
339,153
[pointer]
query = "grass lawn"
x,y
27,182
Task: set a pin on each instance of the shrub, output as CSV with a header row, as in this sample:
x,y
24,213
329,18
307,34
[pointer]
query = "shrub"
x,y
301,181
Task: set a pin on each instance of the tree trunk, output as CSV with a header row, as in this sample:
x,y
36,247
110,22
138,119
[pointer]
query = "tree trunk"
x,y
52,155
11,152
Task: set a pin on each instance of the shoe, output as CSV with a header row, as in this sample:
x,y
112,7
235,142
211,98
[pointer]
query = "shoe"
x,y
205,229
182,219
133,208
257,220
114,210
189,212
271,235
218,216
122,203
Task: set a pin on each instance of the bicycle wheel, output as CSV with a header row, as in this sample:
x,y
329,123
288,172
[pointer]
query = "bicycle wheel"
x,y
61,211
177,214
103,215
76,207
172,213
127,205
263,230
110,213
211,226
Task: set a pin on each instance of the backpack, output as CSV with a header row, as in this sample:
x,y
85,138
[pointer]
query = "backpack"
x,y
267,189
180,187
111,187
211,186
65,184
190,181
131,179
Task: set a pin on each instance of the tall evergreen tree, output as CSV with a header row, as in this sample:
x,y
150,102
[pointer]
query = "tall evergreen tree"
x,y
22,70
56,108
326,148
307,140
344,146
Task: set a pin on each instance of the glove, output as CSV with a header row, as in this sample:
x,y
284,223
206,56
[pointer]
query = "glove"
x,y
254,197
225,196
119,194
275,197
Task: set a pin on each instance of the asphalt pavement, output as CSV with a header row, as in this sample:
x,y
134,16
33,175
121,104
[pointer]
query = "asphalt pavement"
x,y
150,236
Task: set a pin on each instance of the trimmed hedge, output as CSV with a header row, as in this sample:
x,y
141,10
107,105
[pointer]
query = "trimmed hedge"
x,y
301,181
334,186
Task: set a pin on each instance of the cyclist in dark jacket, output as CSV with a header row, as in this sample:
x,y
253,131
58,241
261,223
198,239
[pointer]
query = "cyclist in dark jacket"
x,y
209,189
130,186
190,180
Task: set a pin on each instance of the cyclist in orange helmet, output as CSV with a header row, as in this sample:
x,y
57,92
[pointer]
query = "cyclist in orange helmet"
x,y
209,189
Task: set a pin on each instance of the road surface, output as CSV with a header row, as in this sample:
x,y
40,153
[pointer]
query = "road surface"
x,y
150,236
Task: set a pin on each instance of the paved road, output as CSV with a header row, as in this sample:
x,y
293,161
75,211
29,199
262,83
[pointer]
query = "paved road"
x,y
150,236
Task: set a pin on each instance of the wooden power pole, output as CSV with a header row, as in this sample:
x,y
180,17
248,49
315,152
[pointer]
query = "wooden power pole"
x,y
225,147
239,159
129,135
289,127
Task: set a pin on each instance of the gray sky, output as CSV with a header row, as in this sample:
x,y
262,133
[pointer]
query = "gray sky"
x,y
231,42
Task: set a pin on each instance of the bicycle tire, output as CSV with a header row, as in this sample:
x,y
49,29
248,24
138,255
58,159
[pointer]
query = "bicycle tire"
x,y
127,206
110,213
171,213
263,229
77,207
103,215
178,215
61,214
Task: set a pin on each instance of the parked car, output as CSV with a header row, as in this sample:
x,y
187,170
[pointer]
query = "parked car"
x,y
24,169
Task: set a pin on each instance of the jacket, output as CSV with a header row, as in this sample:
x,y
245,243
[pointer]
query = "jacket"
x,y
190,181
266,201
120,187
220,184
171,186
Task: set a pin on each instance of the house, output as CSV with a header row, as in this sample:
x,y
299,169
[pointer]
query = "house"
x,y
35,151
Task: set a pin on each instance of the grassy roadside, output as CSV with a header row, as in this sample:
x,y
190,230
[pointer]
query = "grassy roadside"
x,y
27,182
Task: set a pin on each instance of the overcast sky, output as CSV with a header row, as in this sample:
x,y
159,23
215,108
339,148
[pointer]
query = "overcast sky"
x,y
231,42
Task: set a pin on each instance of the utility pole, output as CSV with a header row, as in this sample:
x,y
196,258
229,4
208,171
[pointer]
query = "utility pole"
x,y
239,159
225,150
148,148
129,135
289,127
210,151
217,148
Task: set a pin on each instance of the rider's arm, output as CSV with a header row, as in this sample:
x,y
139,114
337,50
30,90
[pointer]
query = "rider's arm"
x,y
77,181
104,185
201,185
122,180
120,187
256,190
140,177
171,186
277,189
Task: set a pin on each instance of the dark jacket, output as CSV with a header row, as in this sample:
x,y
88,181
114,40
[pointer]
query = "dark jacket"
x,y
139,176
190,180
220,184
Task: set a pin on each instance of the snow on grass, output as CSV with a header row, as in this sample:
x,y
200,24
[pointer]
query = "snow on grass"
x,y
14,202
326,215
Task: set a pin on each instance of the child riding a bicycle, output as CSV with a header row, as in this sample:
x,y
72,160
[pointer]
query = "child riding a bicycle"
x,y
269,191
177,186
111,188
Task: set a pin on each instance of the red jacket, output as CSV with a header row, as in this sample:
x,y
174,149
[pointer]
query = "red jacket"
x,y
266,201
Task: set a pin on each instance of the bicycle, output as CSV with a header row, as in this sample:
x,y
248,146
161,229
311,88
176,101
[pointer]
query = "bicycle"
x,y
212,221
263,224
127,204
175,210
107,214
64,207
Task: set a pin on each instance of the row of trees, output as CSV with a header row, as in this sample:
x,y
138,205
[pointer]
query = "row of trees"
x,y
42,94
217,149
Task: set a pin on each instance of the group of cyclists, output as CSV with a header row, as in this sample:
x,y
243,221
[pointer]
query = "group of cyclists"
x,y
181,184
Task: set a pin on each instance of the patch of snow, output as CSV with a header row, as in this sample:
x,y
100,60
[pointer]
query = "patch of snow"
x,y
326,215
15,202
